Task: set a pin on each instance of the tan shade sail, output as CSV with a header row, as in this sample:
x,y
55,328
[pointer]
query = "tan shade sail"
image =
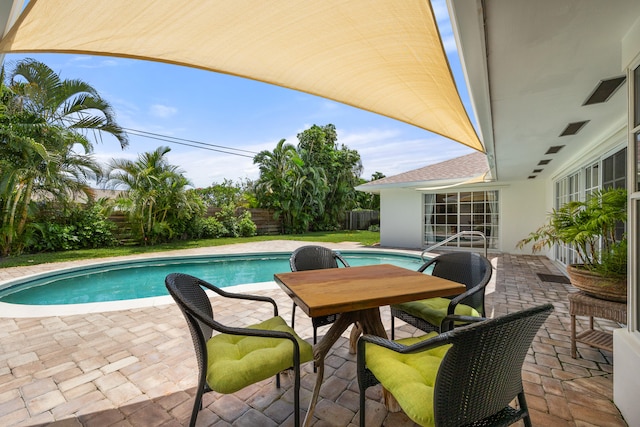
x,y
377,55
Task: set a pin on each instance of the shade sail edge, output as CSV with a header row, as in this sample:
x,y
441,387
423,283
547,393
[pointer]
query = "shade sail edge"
x,y
406,99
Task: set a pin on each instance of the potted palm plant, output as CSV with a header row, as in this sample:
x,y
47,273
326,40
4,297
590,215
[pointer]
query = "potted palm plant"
x,y
593,229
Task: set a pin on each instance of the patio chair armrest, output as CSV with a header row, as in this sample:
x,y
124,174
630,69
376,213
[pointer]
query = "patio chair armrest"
x,y
433,342
251,332
382,342
340,258
426,265
450,320
248,297
461,297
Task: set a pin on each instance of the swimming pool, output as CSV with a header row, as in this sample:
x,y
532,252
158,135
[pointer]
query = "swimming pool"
x,y
128,280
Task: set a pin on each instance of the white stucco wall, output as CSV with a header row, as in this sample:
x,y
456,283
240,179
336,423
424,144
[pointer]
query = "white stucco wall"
x,y
401,218
626,341
626,379
524,206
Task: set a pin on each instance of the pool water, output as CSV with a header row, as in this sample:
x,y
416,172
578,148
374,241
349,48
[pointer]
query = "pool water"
x,y
145,278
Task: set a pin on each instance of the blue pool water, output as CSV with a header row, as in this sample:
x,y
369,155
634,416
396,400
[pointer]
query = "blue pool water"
x,y
145,278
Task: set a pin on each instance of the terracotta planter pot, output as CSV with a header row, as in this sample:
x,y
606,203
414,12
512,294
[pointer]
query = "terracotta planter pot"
x,y
595,285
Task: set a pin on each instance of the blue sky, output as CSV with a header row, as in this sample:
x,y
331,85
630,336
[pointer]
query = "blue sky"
x,y
248,115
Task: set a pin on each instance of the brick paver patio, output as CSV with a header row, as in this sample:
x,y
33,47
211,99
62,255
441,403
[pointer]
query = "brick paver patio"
x,y
136,367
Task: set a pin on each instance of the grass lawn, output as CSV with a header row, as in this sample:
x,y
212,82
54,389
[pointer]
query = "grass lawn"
x,y
366,238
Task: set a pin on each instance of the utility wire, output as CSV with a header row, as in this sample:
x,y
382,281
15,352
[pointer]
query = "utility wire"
x,y
185,142
190,143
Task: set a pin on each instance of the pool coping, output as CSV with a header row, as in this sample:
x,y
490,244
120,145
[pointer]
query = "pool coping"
x,y
26,310
9,310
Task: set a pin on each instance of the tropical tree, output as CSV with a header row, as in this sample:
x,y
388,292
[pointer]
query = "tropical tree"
x,y
70,103
318,147
310,185
155,195
279,170
369,200
44,146
226,193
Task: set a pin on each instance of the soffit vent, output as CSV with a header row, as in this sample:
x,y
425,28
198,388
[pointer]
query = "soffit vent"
x,y
604,90
532,177
554,149
537,170
573,128
544,162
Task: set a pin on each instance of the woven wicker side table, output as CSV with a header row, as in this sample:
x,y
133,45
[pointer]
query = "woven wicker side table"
x,y
581,304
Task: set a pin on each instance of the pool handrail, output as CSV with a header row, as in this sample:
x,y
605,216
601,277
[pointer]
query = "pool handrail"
x,y
455,236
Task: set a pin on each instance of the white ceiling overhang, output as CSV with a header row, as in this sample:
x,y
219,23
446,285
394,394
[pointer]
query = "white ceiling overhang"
x,y
530,67
382,56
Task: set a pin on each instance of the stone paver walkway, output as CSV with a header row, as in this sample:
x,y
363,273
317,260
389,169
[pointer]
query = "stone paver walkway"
x,y
136,367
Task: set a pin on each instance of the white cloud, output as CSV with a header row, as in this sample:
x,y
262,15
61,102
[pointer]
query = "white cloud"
x,y
390,152
203,167
162,111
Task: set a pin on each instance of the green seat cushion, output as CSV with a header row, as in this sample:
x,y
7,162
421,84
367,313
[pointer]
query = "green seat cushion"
x,y
410,378
434,310
236,361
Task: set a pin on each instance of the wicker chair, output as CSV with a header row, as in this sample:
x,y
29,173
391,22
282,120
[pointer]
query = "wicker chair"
x,y
465,377
442,314
237,356
313,257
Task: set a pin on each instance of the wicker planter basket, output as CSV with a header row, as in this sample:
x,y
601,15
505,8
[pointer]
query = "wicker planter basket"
x,y
591,283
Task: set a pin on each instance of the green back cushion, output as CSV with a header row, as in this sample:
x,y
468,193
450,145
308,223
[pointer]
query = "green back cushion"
x,y
434,310
410,378
236,361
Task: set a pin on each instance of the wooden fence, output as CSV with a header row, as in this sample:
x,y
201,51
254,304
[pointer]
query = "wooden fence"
x,y
265,222
361,220
263,218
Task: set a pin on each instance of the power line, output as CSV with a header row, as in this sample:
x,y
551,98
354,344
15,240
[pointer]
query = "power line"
x,y
185,142
191,142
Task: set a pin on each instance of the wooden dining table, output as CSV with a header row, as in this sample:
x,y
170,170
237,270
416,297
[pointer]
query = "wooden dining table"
x,y
356,293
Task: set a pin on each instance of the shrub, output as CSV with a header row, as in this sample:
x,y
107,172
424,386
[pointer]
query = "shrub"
x,y
236,225
92,227
77,227
211,228
227,216
246,227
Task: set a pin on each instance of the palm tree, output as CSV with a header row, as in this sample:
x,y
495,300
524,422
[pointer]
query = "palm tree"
x,y
155,196
72,104
43,123
280,182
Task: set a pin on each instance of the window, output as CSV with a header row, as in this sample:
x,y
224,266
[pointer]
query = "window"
x,y
567,190
592,178
610,171
614,170
447,214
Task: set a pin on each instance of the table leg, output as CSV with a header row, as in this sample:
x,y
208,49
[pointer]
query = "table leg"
x,y
320,351
365,322
356,331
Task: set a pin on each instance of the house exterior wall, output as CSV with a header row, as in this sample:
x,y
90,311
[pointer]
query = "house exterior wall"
x,y
524,209
626,341
401,218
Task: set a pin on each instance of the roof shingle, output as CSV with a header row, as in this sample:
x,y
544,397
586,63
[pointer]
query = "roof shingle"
x,y
464,167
